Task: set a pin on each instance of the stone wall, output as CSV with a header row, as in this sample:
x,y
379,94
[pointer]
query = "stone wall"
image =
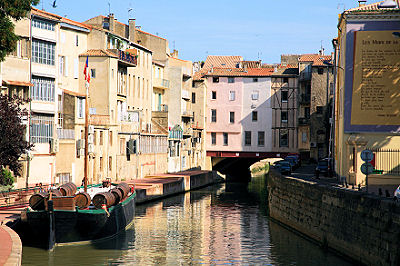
x,y
365,228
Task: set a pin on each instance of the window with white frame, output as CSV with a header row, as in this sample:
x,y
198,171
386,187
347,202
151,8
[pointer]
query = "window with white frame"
x,y
41,128
213,115
61,61
43,89
81,107
255,95
232,95
43,52
42,24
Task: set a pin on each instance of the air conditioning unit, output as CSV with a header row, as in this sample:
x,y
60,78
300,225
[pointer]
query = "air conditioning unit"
x,y
80,144
313,144
54,145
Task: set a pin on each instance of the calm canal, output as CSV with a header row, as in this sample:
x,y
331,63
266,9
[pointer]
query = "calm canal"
x,y
221,224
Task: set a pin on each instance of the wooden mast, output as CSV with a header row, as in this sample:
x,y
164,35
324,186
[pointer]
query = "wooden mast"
x,y
85,177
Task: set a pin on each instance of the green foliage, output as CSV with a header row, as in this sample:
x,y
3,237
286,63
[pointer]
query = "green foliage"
x,y
12,133
6,178
11,9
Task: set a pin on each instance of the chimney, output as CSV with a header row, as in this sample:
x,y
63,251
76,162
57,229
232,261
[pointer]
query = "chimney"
x,y
111,19
174,54
132,24
362,2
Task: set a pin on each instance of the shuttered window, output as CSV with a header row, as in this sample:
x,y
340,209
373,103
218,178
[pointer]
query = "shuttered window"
x,y
41,128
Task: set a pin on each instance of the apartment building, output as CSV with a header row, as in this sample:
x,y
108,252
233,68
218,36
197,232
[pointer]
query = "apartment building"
x,y
284,91
15,79
315,96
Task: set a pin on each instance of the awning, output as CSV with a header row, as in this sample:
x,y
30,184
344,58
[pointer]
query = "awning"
x,y
17,83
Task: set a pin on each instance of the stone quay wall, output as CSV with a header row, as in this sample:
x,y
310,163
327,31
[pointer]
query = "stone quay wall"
x,y
362,227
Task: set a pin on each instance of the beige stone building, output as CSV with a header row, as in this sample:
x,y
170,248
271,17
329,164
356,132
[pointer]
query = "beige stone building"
x,y
315,96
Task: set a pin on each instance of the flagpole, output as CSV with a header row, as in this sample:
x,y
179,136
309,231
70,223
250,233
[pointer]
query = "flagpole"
x,y
85,178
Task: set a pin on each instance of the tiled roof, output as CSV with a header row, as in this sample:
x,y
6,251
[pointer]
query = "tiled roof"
x,y
316,59
222,61
251,64
150,34
372,7
239,72
99,52
17,83
48,15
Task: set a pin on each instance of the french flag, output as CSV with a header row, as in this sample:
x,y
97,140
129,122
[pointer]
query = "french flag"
x,y
86,70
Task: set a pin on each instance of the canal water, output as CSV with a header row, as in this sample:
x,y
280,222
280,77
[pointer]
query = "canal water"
x,y
225,224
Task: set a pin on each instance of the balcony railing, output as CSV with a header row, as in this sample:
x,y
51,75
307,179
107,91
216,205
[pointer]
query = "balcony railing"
x,y
161,83
65,133
304,98
185,95
187,113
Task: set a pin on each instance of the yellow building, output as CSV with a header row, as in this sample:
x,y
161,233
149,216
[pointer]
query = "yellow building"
x,y
367,103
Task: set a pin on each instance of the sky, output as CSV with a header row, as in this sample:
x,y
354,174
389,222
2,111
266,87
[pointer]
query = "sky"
x,y
254,29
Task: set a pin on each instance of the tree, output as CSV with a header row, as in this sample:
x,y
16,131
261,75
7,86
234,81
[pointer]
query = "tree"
x,y
11,9
12,132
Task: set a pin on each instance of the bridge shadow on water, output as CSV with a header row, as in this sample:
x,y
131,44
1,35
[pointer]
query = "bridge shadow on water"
x,y
236,169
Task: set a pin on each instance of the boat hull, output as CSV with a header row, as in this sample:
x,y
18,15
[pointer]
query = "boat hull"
x,y
74,227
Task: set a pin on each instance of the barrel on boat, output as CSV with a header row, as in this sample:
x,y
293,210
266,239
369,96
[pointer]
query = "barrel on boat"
x,y
37,200
117,194
55,193
124,188
68,189
82,200
106,198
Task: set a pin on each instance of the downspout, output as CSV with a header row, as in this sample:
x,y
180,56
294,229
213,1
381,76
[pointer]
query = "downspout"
x,y
29,157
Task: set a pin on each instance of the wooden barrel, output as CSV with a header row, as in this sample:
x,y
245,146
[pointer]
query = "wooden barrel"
x,y
117,194
68,189
37,201
106,198
124,188
82,200
55,193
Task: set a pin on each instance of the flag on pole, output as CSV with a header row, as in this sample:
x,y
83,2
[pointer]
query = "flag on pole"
x,y
86,70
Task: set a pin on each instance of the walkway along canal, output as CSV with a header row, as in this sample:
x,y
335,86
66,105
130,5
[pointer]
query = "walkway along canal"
x,y
219,224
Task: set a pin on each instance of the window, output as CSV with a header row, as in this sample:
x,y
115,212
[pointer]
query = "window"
x,y
77,40
101,137
61,60
247,138
93,73
110,136
213,138
285,80
304,137
43,52
231,117
254,115
215,79
232,95
284,116
43,89
255,79
320,110
101,164
193,97
284,96
261,138
225,139
255,95
320,70
231,80
81,107
43,24
283,138
41,128
213,115
110,163
213,95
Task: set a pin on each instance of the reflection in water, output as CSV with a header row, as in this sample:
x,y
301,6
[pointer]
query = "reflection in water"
x,y
222,224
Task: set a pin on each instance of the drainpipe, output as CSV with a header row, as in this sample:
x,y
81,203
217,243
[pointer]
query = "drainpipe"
x,y
29,157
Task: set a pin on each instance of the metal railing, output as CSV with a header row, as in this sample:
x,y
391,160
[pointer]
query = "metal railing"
x,y
386,161
19,197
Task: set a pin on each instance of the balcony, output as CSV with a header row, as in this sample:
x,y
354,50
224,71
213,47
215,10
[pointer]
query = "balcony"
x,y
99,120
187,114
125,58
304,121
162,84
304,99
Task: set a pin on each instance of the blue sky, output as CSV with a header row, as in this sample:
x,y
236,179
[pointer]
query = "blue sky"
x,y
255,29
